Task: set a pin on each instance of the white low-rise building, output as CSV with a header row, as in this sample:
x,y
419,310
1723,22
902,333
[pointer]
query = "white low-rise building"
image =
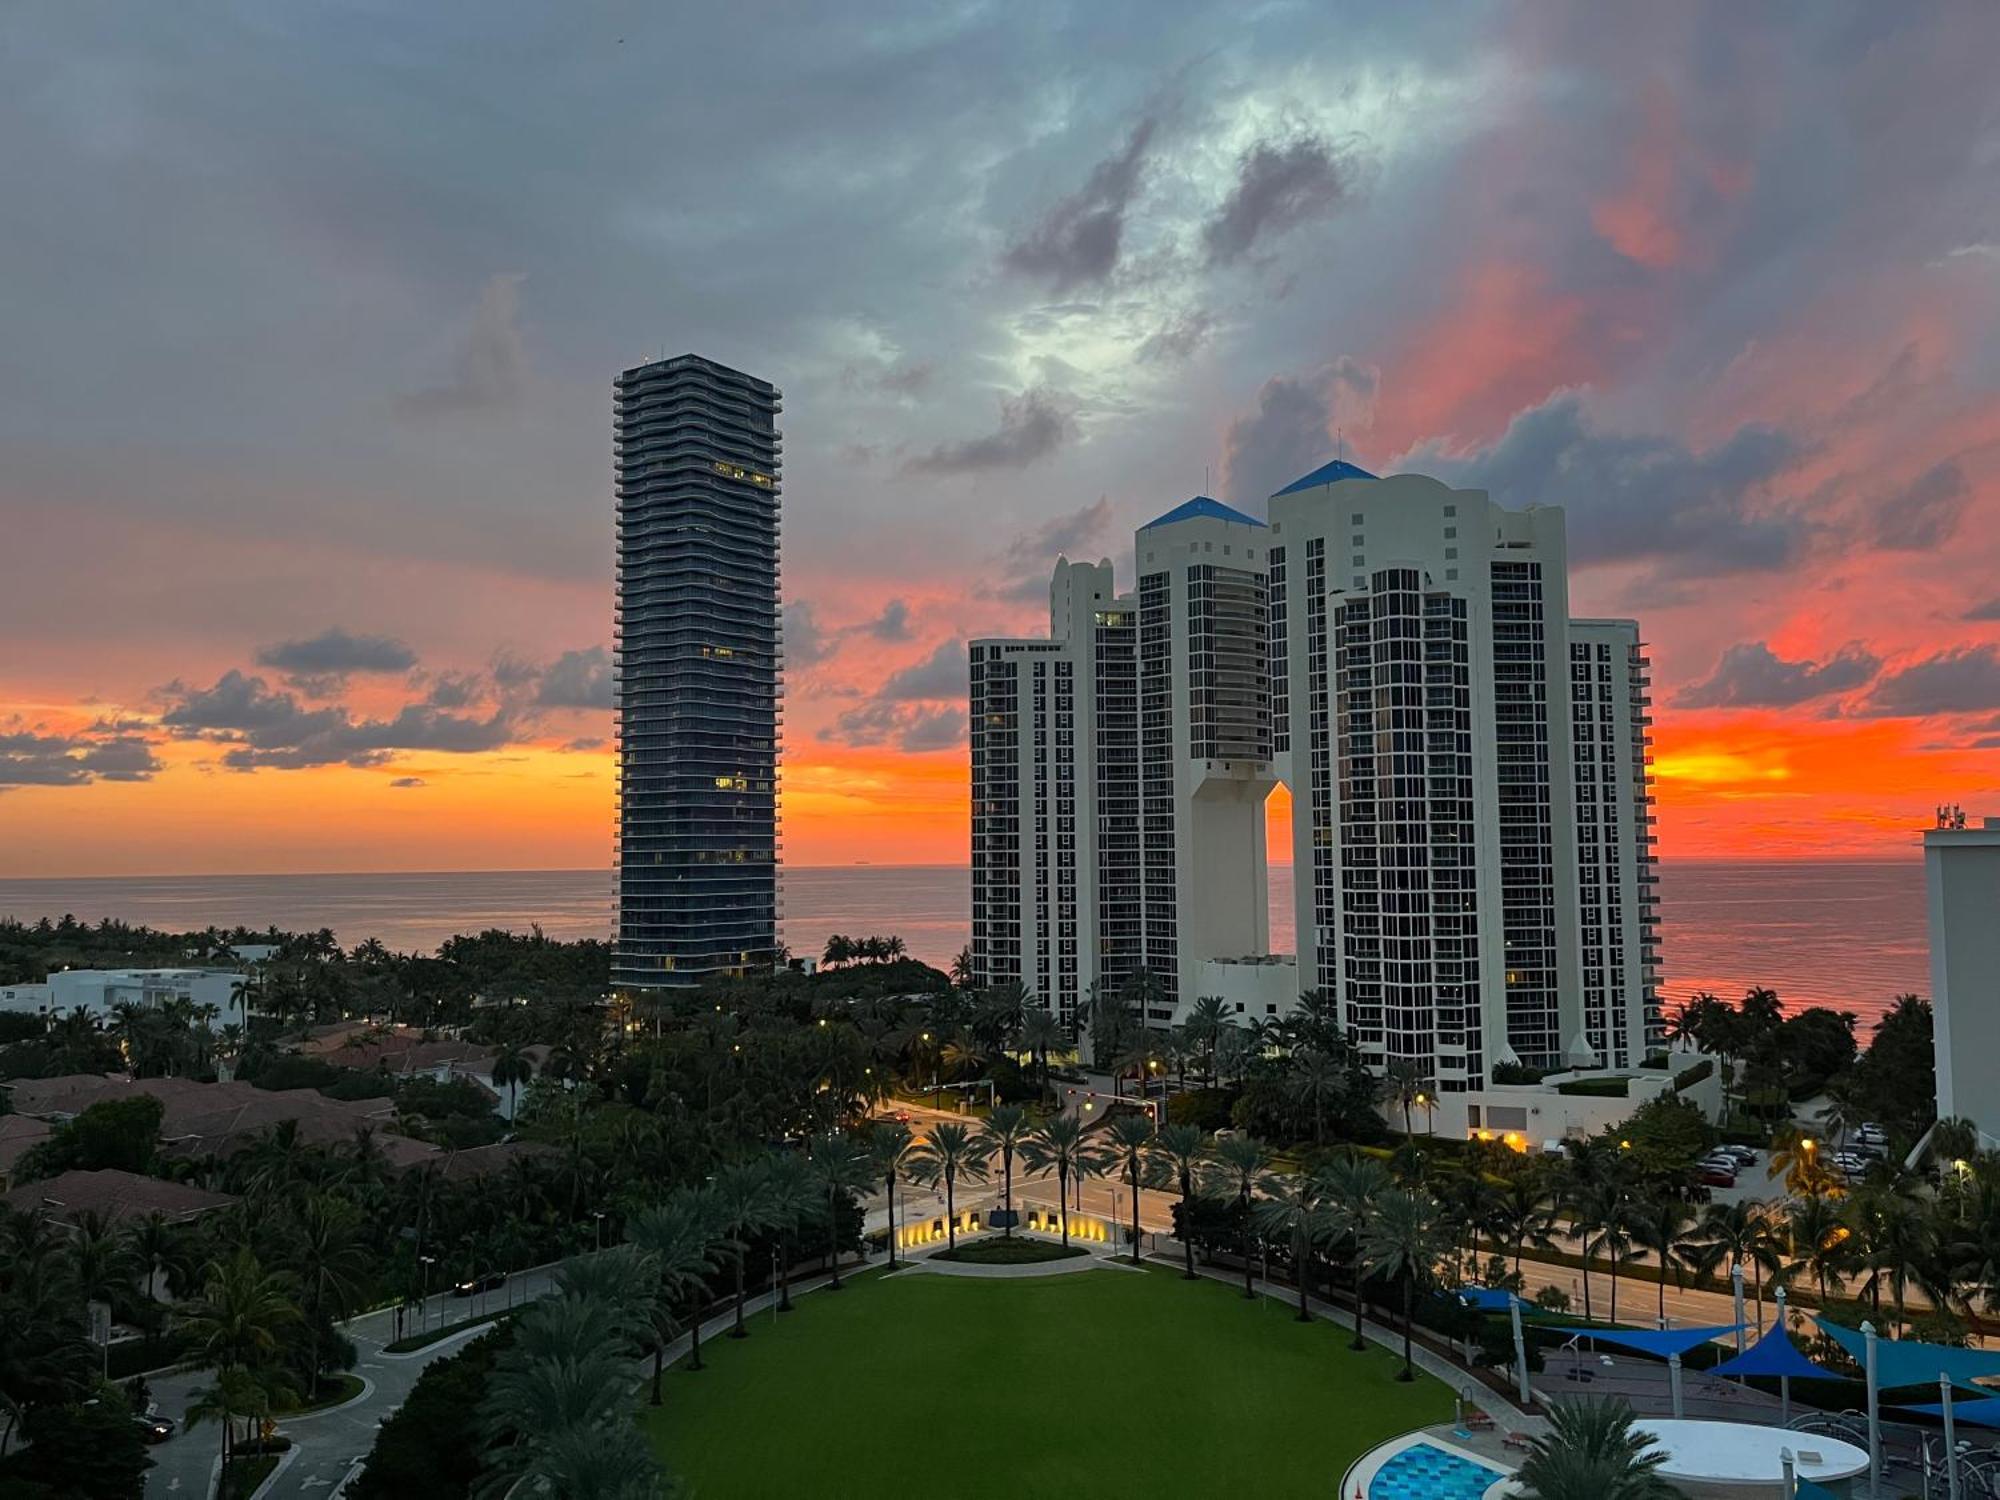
x,y
101,991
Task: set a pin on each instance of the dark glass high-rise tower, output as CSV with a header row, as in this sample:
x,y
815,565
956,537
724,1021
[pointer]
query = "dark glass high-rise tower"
x,y
699,673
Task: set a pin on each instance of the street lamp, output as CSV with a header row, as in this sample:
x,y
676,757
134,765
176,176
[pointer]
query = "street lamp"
x,y
424,1294
598,1215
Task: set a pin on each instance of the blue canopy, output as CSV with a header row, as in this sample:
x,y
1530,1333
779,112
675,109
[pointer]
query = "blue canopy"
x,y
1912,1362
1979,1413
1663,1343
1486,1298
1773,1354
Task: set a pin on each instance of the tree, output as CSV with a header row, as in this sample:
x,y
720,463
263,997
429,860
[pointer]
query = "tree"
x,y
793,1192
325,1254
1315,1079
1293,1210
1237,1163
1820,1242
430,1444
1352,1185
1522,1216
1592,1451
1184,1149
1732,1235
511,1068
681,1251
1128,1152
1663,1227
949,1155
1058,1145
743,1204
1604,1224
892,1146
87,1450
234,1327
1042,1033
842,1167
1404,1087
1002,1133
1401,1241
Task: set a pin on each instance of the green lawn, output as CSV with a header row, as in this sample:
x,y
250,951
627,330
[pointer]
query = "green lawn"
x,y
1114,1381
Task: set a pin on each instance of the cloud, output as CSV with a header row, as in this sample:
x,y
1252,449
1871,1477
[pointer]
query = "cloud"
x,y
455,689
28,758
1963,680
1990,610
1033,425
1639,497
1751,675
910,377
911,727
265,727
1076,242
325,660
1279,186
893,624
1176,342
945,673
240,704
1073,531
407,781
807,644
1925,515
587,743
490,368
578,679
1292,431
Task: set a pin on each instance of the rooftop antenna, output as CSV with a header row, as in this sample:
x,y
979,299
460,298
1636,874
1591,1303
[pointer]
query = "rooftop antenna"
x,y
1340,439
1204,479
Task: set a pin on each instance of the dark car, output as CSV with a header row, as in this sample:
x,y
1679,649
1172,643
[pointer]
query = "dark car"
x,y
491,1281
154,1428
1714,1174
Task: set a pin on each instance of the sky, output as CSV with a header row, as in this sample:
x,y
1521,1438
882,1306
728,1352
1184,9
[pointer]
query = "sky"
x,y
309,316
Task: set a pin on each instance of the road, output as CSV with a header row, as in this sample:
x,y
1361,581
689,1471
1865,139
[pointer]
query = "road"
x,y
328,1442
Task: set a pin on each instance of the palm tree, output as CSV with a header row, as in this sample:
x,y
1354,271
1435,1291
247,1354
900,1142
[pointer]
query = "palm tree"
x,y
793,1191
1522,1216
1184,1149
1736,1234
1796,1156
325,1252
1206,1022
1293,1209
1057,1145
1821,1242
1402,1240
1895,1243
1662,1226
842,1167
1404,1087
951,1153
681,1250
1042,1033
892,1147
1128,1153
1314,1079
1592,1451
1002,1133
743,1201
511,1068
1238,1163
235,1324
1604,1225
1351,1187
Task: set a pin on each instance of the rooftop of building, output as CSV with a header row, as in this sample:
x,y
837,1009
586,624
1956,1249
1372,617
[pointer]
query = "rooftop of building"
x,y
113,1194
1328,473
1203,508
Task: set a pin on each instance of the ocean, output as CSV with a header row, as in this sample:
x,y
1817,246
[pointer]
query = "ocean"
x,y
1844,933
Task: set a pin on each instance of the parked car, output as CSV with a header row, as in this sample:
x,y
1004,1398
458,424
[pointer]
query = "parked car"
x,y
1714,1174
1744,1156
154,1428
491,1281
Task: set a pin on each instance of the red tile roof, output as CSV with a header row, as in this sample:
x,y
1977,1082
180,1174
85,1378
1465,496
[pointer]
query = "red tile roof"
x,y
116,1195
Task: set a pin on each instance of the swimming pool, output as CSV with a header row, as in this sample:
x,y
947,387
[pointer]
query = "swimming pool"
x,y
1424,1471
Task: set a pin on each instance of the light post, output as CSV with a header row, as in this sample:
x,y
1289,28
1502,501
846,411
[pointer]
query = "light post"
x,y
1784,1381
1874,1416
1950,1438
424,1294
598,1215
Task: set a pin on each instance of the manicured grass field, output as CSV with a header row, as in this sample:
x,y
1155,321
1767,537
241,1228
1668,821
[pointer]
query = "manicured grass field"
x,y
1106,1382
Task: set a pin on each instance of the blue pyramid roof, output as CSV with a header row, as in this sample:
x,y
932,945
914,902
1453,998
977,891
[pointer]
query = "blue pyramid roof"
x,y
1661,1342
1204,508
1773,1354
1331,473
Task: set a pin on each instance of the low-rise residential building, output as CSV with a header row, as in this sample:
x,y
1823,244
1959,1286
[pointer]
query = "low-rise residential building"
x,y
109,1194
101,991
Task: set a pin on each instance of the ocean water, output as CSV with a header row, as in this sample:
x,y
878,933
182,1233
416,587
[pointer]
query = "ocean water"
x,y
1843,933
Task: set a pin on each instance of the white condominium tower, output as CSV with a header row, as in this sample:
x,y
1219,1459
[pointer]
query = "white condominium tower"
x,y
1471,818
1471,823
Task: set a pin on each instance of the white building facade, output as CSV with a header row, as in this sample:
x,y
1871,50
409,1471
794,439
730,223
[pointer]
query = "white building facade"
x,y
1471,820
1962,883
101,991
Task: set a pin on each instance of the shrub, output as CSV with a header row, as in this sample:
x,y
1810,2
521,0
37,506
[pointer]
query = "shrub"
x,y
1694,1073
1552,1299
1207,1109
432,1446
1516,1072
1596,1088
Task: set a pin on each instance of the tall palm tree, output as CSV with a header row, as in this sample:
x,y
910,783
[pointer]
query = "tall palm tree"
x,y
1604,1225
1351,1187
892,1147
843,1168
743,1203
1002,1133
1404,1088
1058,1145
1402,1241
325,1251
1237,1165
1042,1033
1732,1235
1522,1216
1895,1243
1294,1209
681,1248
1315,1080
1664,1228
1820,1241
1592,1451
1184,1150
792,1190
951,1153
235,1324
512,1067
1128,1153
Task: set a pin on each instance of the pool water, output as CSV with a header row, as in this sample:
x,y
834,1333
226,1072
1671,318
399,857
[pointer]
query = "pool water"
x,y
1424,1471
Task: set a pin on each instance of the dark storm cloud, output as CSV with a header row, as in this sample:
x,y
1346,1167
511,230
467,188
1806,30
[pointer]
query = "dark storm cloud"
x,y
266,727
1033,425
28,758
1990,610
1279,186
490,368
1643,498
1963,680
893,624
1925,515
455,689
1076,242
1292,430
578,679
806,644
907,726
334,653
240,704
942,674
1751,675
